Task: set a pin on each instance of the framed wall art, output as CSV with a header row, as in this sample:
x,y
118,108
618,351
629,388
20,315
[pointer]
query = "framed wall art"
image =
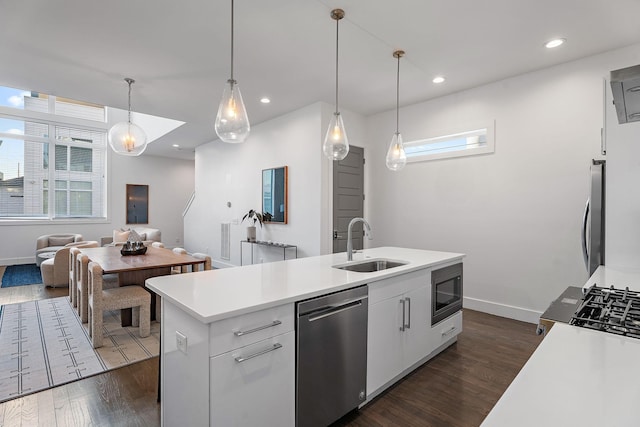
x,y
137,204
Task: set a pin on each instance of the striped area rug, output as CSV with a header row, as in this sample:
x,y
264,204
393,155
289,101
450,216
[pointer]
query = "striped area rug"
x,y
43,344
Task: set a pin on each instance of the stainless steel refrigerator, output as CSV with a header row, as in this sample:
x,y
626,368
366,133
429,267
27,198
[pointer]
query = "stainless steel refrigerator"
x,y
593,219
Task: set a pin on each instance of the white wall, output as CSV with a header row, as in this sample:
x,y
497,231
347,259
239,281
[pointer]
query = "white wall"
x,y
233,173
622,218
170,181
515,213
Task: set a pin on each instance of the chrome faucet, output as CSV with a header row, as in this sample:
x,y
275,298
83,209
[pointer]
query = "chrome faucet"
x,y
350,241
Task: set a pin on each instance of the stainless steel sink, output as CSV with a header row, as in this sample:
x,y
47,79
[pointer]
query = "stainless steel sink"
x,y
370,265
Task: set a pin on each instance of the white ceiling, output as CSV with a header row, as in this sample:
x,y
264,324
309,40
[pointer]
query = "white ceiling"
x,y
178,51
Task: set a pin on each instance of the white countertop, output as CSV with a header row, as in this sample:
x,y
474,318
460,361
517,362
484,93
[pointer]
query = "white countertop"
x,y
605,277
576,377
218,294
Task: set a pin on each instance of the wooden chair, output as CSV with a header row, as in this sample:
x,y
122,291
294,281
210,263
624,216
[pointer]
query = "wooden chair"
x,y
101,300
201,267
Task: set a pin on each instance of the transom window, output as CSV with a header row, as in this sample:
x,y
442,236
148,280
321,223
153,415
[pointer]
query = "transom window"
x,y
476,140
46,139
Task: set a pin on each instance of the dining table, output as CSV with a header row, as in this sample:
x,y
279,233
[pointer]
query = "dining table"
x,y
135,269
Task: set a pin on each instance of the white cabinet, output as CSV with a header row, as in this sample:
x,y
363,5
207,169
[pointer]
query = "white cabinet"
x,y
238,371
399,326
255,385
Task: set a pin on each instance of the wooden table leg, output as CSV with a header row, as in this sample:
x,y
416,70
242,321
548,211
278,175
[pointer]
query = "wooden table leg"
x,y
137,278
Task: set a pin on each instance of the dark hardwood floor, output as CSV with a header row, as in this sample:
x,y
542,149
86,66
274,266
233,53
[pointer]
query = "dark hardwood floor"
x,y
456,388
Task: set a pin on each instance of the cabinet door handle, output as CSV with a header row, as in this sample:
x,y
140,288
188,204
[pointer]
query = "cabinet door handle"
x,y
408,324
449,331
259,328
241,359
404,312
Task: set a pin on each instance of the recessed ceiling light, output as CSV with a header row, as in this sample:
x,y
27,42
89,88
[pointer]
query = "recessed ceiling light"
x,y
265,100
438,79
176,145
554,43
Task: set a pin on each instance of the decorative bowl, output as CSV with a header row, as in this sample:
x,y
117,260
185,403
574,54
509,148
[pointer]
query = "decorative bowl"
x,y
136,248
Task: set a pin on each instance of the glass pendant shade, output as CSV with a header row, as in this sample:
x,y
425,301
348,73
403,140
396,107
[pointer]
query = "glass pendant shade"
x,y
396,157
127,138
336,143
232,123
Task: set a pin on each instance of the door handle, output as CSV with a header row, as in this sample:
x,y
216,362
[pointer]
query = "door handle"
x,y
337,236
241,359
259,328
408,324
404,312
585,246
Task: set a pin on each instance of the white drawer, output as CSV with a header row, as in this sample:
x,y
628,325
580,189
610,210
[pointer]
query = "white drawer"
x,y
235,332
398,285
255,385
445,330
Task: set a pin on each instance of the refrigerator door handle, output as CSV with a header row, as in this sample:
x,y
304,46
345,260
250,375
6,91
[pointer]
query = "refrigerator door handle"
x,y
585,249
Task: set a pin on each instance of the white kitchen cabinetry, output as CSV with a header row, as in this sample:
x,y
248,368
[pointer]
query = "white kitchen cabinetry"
x,y
238,371
399,327
254,385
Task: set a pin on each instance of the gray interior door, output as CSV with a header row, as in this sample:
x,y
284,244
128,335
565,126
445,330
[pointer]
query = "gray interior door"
x,y
348,198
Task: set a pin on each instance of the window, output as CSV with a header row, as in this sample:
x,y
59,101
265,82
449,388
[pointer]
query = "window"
x,y
478,140
38,130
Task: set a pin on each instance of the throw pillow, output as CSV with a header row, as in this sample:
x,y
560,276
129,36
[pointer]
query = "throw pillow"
x,y
153,234
143,236
60,241
120,236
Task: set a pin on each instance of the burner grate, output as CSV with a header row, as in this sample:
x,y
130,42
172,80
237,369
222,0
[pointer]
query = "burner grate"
x,y
616,311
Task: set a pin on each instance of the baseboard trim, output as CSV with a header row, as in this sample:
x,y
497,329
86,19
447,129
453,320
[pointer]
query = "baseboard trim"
x,y
503,310
14,261
221,264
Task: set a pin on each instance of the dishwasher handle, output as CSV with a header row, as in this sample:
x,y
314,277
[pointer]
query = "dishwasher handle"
x,y
333,309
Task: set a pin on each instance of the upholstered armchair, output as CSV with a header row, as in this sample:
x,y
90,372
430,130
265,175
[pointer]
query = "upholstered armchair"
x,y
55,271
53,242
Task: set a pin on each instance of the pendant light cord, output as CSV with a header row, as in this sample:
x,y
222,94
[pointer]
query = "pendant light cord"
x,y
130,82
232,42
398,98
337,37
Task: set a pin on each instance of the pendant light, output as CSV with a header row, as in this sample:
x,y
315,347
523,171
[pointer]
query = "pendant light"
x,y
127,138
336,144
396,157
232,122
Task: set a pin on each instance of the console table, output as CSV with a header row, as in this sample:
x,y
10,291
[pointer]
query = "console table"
x,y
283,246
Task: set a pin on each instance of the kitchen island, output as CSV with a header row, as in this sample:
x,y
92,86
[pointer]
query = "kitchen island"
x,y
228,338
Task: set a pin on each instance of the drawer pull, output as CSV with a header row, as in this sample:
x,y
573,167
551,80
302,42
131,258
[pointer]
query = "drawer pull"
x,y
241,359
259,328
449,331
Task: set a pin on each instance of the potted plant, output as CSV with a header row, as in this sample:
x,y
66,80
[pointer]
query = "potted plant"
x,y
251,230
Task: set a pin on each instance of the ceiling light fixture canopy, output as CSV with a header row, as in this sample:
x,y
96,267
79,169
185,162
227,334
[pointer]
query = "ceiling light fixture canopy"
x,y
336,143
127,138
232,123
396,157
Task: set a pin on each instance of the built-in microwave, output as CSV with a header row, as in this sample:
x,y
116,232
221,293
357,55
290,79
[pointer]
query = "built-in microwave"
x,y
446,292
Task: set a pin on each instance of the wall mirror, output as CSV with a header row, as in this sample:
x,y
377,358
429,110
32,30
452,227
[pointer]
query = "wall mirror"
x,y
274,194
137,204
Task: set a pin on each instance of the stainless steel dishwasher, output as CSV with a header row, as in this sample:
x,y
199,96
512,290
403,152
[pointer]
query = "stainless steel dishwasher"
x,y
331,356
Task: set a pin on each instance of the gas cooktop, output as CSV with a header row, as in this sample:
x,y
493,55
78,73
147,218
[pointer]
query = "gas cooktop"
x,y
616,311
